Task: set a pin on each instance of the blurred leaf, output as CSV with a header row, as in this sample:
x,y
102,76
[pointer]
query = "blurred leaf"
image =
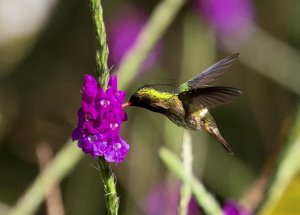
x,y
288,168
198,47
289,201
203,197
273,58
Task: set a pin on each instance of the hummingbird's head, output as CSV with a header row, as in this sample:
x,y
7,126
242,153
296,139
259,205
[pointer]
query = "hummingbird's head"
x,y
135,100
149,98
141,97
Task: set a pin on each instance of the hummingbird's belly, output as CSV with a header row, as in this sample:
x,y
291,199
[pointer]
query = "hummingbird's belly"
x,y
179,121
193,121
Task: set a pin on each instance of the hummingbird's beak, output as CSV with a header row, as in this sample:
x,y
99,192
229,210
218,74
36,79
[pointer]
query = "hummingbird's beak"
x,y
126,104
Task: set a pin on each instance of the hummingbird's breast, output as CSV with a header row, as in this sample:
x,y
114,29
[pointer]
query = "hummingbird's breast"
x,y
184,118
175,112
194,121
197,119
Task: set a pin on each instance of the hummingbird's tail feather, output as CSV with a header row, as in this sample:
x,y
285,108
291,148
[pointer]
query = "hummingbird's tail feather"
x,y
224,143
213,131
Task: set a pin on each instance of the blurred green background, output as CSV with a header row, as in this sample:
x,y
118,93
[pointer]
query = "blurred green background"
x,y
42,61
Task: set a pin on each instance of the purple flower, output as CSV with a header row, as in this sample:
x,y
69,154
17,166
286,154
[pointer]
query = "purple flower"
x,y
231,16
123,30
232,208
99,120
164,199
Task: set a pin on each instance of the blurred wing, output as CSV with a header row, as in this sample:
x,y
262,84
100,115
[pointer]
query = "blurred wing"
x,y
209,75
209,97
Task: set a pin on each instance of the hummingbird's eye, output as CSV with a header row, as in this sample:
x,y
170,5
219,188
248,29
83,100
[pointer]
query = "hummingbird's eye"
x,y
134,99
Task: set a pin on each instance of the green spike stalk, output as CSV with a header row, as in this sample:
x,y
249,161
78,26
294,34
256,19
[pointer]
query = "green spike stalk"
x,y
102,51
107,176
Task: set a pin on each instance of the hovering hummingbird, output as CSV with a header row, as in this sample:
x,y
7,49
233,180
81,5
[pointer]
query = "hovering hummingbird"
x,y
188,105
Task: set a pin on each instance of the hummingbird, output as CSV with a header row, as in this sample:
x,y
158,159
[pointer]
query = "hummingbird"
x,y
188,105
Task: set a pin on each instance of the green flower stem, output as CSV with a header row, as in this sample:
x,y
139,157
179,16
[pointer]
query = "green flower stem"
x,y
161,18
61,166
109,182
187,161
289,166
203,197
102,71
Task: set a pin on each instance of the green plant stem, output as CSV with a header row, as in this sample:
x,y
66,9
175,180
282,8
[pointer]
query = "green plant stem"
x,y
102,70
110,187
61,166
187,161
161,18
288,166
109,182
203,197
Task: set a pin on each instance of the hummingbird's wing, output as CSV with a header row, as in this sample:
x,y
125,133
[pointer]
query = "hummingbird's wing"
x,y
209,75
208,97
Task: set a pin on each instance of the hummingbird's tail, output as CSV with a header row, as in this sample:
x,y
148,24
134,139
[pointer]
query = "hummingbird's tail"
x,y
213,130
223,143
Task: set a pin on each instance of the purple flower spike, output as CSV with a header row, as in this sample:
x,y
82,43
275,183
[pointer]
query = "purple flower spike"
x,y
229,16
100,119
117,151
123,30
232,208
